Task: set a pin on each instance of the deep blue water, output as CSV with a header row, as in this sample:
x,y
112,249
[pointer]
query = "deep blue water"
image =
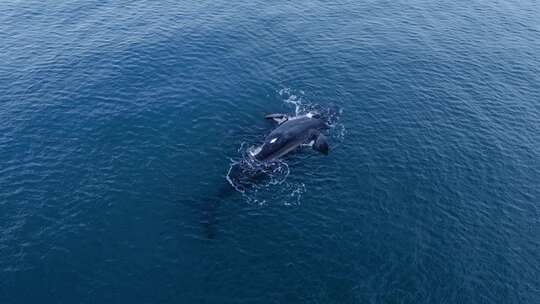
x,y
119,121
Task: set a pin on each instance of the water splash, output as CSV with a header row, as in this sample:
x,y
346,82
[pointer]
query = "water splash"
x,y
294,99
254,179
329,111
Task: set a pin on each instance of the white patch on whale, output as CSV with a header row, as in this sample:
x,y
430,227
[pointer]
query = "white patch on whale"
x,y
255,151
309,144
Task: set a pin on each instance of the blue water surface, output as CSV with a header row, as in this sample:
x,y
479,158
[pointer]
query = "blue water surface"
x,y
119,121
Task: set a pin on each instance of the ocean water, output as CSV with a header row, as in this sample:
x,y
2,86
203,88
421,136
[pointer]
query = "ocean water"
x,y
120,120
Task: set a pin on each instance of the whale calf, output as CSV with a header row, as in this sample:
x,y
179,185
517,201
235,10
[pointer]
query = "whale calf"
x,y
291,133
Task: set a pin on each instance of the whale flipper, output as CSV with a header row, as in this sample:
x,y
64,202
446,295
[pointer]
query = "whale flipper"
x,y
321,144
279,118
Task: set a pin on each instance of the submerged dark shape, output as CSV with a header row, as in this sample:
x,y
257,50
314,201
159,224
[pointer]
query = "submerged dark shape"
x,y
292,133
209,219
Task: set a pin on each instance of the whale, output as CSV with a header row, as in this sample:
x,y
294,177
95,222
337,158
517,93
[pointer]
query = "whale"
x,y
292,133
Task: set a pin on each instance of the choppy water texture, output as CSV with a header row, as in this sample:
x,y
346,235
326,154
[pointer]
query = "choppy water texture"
x,y
119,121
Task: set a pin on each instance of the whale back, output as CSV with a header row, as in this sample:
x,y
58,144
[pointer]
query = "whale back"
x,y
288,136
